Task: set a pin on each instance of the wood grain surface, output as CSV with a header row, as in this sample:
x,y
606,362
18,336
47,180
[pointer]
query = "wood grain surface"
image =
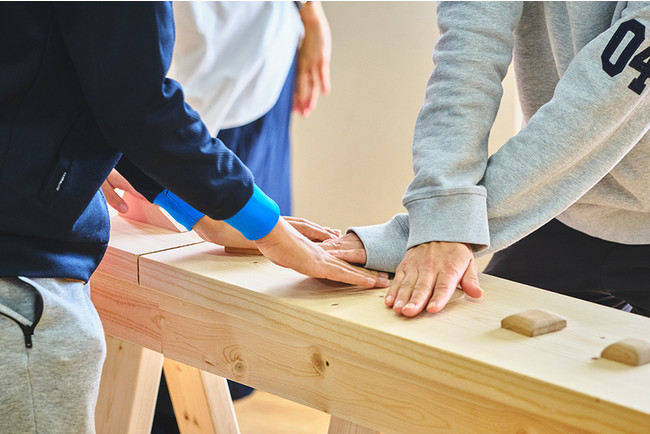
x,y
337,348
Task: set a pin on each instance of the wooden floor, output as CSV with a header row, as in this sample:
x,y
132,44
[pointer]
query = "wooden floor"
x,y
263,413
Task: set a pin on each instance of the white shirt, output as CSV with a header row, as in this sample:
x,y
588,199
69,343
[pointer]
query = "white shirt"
x,y
232,58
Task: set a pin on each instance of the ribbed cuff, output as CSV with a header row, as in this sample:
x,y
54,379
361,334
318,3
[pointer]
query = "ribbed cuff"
x,y
385,243
182,212
458,218
257,218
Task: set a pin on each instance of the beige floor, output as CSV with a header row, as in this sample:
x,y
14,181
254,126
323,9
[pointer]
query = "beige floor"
x,y
263,413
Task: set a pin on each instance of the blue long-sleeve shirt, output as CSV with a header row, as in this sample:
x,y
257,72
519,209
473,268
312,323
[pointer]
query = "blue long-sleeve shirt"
x,y
81,83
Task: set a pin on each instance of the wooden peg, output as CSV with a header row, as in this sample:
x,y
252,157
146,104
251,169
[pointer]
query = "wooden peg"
x,y
631,351
533,322
242,251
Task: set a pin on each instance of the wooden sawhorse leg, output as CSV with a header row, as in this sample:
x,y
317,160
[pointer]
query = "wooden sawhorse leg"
x,y
342,426
128,388
201,400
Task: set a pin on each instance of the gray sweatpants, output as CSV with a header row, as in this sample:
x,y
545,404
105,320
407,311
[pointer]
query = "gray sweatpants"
x,y
48,381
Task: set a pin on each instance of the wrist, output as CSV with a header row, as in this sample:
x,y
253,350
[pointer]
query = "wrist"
x,y
257,218
208,229
180,210
312,14
274,237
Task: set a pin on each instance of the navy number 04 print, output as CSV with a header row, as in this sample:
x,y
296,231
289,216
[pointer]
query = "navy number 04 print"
x,y
640,62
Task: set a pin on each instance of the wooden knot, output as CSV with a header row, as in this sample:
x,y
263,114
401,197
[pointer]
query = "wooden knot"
x,y
317,361
239,367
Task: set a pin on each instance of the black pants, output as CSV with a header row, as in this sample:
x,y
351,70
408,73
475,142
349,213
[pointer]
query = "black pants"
x,y
563,260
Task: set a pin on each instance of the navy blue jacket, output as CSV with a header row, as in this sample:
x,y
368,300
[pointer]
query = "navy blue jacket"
x,y
81,83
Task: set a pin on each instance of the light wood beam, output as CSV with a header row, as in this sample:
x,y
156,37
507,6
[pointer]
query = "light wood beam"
x,y
129,387
341,426
201,400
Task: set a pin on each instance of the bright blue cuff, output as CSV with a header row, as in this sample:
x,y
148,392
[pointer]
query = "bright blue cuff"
x,y
257,218
178,209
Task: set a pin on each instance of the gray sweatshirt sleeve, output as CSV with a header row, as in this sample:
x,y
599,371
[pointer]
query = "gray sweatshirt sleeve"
x,y
445,201
591,122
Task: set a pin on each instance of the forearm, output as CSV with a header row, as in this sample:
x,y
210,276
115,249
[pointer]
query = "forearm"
x,y
142,113
140,181
312,14
221,233
445,201
592,122
385,244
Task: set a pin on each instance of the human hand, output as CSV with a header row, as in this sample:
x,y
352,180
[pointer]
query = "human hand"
x,y
311,230
286,247
314,57
220,232
116,181
428,276
349,248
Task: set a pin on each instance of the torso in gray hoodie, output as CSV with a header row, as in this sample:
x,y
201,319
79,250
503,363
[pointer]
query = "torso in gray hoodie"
x,y
583,76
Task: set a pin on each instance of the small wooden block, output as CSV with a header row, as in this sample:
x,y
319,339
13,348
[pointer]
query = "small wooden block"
x,y
630,351
242,251
533,322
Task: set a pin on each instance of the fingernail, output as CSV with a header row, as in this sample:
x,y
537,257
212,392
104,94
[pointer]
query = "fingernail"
x,y
389,298
382,281
398,304
123,209
409,306
370,282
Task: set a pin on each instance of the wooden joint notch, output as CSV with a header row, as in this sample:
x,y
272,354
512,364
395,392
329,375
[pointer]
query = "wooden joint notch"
x,y
242,251
533,322
631,351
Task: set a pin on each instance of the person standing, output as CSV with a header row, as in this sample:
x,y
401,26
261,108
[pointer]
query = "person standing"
x,y
83,83
569,194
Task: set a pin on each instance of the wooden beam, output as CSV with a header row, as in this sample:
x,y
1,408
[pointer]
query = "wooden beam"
x,y
127,310
129,387
552,380
341,426
201,400
338,349
130,239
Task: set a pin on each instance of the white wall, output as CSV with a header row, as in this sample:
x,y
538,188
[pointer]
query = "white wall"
x,y
352,155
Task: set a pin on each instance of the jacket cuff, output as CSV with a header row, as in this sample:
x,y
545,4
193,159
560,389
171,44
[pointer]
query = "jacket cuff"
x,y
257,218
385,244
180,211
459,217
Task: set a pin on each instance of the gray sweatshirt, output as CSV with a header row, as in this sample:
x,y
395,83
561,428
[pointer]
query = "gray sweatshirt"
x,y
583,156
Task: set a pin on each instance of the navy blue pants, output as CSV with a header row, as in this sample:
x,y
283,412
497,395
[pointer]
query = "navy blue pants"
x,y
563,260
264,146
